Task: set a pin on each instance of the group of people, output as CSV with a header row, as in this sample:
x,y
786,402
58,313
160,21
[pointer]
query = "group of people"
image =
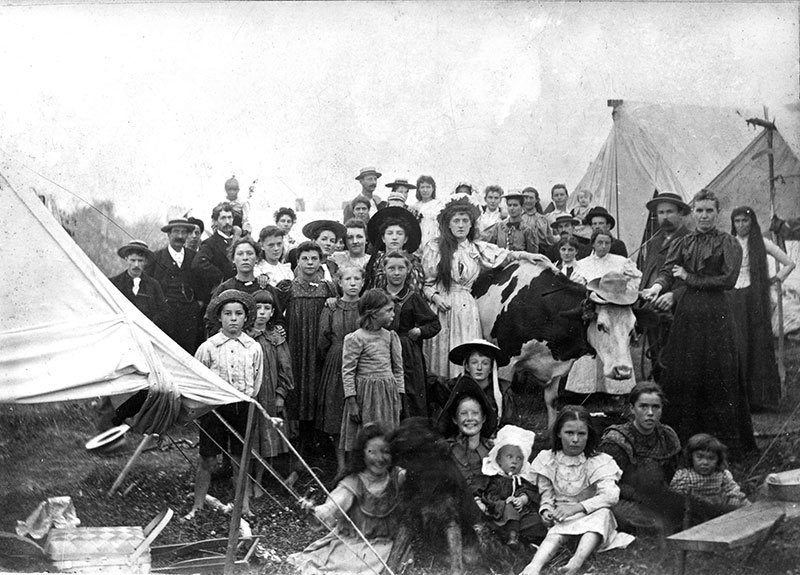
x,y
371,320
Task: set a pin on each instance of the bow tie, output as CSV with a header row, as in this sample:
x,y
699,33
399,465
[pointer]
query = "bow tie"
x,y
513,225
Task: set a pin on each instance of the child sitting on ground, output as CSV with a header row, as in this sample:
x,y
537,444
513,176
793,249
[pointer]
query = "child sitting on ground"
x,y
510,499
577,487
707,480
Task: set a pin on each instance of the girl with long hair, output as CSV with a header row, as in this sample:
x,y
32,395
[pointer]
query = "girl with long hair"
x,y
750,298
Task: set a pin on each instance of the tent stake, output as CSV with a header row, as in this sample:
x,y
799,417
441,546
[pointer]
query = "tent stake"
x,y
241,485
127,468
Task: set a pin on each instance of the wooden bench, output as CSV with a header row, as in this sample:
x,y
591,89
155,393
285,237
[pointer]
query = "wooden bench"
x,y
753,523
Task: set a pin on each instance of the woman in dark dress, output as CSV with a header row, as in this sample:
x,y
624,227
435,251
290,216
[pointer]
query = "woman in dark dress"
x,y
647,452
702,378
750,298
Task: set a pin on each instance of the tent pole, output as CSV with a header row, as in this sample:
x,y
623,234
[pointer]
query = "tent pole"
x,y
616,169
129,465
776,239
241,485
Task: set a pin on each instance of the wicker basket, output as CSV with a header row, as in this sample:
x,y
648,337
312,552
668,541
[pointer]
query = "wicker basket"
x,y
784,485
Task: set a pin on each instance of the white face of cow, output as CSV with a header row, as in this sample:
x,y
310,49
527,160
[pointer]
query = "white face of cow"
x,y
610,336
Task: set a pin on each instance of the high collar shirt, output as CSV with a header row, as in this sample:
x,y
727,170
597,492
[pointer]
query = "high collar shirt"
x,y
238,360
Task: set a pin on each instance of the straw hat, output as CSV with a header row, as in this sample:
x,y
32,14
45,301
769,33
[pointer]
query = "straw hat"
x,y
565,219
460,353
368,171
399,182
178,223
612,288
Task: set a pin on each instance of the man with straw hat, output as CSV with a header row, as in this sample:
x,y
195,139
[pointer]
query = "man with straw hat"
x,y
142,290
669,209
368,178
171,267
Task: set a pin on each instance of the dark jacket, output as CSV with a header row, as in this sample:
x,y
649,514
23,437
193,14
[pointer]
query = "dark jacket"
x,y
212,264
179,284
150,299
618,248
652,257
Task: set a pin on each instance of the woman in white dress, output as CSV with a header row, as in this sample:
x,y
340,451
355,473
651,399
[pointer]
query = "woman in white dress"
x,y
451,265
586,375
427,208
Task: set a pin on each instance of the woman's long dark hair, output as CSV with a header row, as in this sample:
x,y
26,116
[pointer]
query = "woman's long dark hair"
x,y
448,244
757,254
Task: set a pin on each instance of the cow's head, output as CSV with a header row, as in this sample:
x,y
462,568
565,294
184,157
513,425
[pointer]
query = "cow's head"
x,y
608,330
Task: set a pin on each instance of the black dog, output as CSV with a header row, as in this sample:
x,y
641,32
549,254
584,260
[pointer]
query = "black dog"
x,y
435,498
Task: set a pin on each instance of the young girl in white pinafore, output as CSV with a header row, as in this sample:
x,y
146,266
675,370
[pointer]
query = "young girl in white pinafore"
x,y
372,369
577,488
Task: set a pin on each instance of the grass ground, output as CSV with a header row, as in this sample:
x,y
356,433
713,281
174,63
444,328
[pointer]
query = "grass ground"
x,y
42,455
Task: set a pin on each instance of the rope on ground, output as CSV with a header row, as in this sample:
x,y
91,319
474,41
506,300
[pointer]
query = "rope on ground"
x,y
773,442
275,474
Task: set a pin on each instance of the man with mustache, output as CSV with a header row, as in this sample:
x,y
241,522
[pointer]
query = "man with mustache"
x,y
172,268
212,263
141,289
368,178
670,209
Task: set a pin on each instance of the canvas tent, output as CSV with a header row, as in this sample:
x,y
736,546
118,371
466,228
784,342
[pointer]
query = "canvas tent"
x,y
650,147
67,333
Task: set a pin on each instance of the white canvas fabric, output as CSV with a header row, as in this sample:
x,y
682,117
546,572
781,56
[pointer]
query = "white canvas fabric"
x,y
66,333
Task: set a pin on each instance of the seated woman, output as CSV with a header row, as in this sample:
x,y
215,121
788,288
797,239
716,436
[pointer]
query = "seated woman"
x,y
647,452
480,360
368,494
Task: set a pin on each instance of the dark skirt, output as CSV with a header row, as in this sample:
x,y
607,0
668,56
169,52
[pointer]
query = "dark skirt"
x,y
756,349
415,378
705,393
330,399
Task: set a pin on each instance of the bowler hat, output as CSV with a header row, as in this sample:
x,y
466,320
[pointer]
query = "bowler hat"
x,y
399,182
178,223
612,288
565,219
368,171
409,223
134,246
312,230
599,212
670,197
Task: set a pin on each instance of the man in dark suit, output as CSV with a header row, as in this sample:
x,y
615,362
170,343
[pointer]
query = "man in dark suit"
x,y
136,285
368,178
670,209
599,219
563,228
213,264
172,268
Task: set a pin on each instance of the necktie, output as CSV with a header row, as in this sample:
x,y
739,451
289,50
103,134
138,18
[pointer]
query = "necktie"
x,y
136,282
568,271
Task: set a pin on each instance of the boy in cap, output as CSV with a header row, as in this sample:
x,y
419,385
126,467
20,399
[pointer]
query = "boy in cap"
x,y
238,359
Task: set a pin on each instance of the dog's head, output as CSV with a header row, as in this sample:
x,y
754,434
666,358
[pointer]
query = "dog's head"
x,y
415,444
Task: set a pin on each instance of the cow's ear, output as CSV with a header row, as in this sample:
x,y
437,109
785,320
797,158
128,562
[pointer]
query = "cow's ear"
x,y
646,318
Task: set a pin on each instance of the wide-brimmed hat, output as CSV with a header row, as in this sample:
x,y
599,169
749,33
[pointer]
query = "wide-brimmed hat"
x,y
612,288
458,204
108,441
460,353
599,212
367,171
197,222
134,246
399,182
409,222
565,219
230,295
466,387
178,223
312,229
670,197
395,196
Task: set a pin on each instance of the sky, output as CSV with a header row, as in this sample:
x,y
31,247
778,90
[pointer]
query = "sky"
x,y
155,105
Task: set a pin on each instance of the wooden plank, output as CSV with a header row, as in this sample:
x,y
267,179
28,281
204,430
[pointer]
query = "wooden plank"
x,y
735,529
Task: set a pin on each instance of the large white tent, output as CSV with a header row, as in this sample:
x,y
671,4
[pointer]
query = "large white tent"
x,y
67,333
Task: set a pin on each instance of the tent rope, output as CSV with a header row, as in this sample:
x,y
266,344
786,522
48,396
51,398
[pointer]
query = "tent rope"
x,y
317,479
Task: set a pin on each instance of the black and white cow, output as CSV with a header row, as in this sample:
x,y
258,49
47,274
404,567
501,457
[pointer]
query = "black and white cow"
x,y
543,321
